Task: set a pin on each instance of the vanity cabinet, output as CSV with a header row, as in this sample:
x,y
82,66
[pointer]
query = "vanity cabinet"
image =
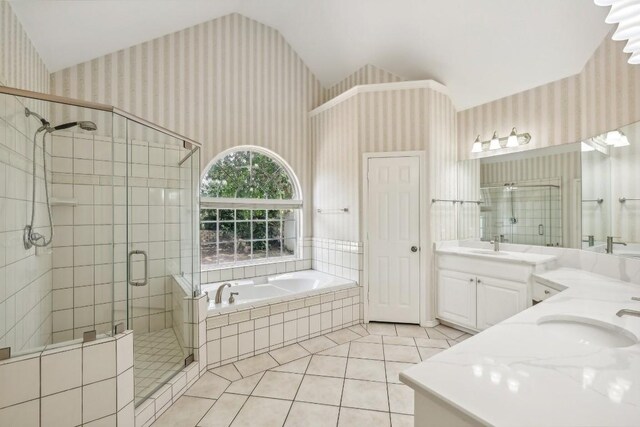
x,y
477,293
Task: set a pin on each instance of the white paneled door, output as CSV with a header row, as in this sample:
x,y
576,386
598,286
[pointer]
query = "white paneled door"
x,y
393,230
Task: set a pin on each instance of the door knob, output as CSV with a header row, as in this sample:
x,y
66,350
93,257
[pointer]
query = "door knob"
x,y
414,249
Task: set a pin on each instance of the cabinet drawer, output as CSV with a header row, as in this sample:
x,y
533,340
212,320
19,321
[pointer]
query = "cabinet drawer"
x,y
542,292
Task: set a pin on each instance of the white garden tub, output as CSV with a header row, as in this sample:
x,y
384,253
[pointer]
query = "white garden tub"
x,y
264,290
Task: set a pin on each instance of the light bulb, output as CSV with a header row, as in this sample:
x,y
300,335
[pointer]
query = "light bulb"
x,y
495,141
512,141
477,145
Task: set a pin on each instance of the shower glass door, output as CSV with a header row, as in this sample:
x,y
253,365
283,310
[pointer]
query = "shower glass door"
x,y
156,282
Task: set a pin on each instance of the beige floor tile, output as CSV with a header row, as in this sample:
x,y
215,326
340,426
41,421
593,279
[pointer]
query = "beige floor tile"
x,y
463,337
228,372
435,334
399,341
314,345
452,343
364,350
381,329
209,386
324,390
279,385
297,366
400,399
255,364
401,353
394,368
426,352
342,336
358,329
411,331
401,420
365,395
223,411
342,351
187,411
449,332
304,414
427,342
328,366
376,339
245,385
288,353
262,412
357,417
366,369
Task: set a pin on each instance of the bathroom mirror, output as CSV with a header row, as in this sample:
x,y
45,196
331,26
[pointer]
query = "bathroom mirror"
x,y
570,195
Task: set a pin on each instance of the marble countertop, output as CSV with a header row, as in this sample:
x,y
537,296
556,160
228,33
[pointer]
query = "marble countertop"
x,y
519,374
501,256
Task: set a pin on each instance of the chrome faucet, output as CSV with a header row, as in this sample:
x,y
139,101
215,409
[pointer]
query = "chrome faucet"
x,y
232,298
628,312
610,244
218,299
496,243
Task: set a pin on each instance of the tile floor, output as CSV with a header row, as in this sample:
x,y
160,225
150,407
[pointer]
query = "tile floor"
x,y
344,378
158,356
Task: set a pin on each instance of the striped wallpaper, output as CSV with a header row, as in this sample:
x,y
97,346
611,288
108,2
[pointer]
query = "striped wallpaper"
x,y
20,63
382,121
369,74
565,166
605,95
227,82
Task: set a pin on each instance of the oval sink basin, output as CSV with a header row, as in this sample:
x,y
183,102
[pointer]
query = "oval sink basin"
x,y
485,252
587,331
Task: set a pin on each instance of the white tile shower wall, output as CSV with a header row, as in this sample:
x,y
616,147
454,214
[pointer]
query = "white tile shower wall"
x,y
252,331
25,275
71,385
90,171
262,268
339,258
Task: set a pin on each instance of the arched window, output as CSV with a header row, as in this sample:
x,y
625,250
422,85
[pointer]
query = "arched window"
x,y
249,213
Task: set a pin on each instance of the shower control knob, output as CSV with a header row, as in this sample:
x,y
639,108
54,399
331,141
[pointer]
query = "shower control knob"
x,y
414,249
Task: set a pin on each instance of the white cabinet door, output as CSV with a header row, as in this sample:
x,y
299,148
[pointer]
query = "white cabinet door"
x,y
498,300
457,298
393,214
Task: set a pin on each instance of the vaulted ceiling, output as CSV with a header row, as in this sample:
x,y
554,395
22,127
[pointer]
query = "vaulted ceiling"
x,y
481,50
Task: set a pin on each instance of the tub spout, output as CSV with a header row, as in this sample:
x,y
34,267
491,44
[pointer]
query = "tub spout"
x,y
218,299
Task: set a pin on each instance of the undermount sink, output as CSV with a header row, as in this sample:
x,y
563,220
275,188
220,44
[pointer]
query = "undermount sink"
x,y
587,331
485,252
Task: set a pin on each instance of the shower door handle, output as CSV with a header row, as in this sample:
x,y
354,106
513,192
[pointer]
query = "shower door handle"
x,y
146,268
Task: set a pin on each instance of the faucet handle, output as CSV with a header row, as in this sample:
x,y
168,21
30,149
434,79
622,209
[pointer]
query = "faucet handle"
x,y
232,298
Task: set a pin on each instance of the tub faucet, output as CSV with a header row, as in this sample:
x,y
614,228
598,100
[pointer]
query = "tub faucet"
x,y
496,243
628,312
218,299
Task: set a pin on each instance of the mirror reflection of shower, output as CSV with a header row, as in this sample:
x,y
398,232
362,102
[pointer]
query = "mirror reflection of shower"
x,y
31,237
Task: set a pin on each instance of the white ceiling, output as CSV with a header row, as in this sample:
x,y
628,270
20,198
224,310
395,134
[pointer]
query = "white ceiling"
x,y
481,50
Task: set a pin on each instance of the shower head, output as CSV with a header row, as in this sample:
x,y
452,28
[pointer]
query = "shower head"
x,y
84,125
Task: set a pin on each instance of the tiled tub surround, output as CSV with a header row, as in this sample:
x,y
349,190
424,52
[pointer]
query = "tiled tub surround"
x,y
70,385
236,335
348,377
89,171
25,275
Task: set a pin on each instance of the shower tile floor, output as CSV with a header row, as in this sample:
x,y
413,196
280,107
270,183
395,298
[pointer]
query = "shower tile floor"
x,y
157,357
345,378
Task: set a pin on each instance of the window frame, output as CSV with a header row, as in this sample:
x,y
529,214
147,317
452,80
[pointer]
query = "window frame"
x,y
295,204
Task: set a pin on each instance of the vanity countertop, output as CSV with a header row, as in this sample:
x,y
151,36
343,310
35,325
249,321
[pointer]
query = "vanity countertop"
x,y
501,256
517,373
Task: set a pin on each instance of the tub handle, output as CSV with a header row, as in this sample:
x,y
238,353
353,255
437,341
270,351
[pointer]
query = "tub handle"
x,y
231,297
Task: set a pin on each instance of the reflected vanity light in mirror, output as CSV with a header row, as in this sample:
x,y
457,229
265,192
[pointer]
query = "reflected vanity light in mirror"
x,y
512,141
617,139
477,145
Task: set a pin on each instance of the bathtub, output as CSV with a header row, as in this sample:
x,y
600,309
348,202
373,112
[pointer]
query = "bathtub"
x,y
264,290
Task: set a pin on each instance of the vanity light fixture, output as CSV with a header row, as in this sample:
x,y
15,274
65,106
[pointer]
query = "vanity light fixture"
x,y
626,14
514,139
616,138
495,141
477,145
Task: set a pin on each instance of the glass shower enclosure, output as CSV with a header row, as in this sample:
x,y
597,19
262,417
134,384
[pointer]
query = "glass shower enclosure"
x,y
121,248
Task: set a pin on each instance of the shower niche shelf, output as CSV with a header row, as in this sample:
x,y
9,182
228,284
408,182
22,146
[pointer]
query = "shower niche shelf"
x,y
63,202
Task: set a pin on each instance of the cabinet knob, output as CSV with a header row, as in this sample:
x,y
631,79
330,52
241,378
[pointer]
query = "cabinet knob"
x,y
471,280
546,291
479,281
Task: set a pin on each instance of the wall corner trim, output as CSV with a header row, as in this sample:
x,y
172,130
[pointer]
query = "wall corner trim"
x,y
379,87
